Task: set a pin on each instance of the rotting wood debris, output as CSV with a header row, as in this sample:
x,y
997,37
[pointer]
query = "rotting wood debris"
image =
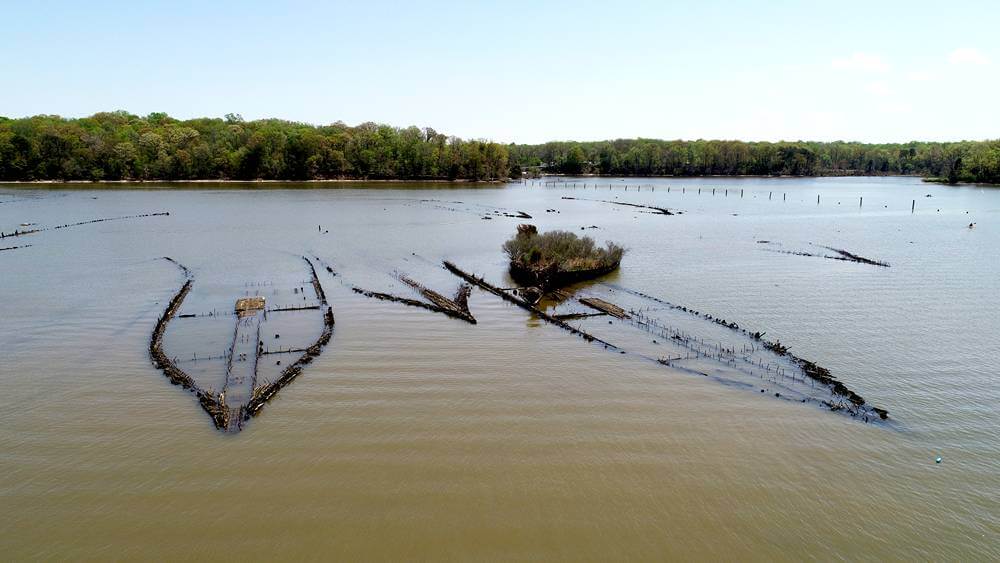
x,y
457,308
507,296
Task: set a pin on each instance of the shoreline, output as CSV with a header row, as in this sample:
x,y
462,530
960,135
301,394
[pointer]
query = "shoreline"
x,y
762,176
258,181
925,179
439,181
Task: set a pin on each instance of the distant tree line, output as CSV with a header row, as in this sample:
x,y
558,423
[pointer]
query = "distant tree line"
x,y
122,146
967,161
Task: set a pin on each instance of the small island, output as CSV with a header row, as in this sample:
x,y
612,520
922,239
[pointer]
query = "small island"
x,y
558,258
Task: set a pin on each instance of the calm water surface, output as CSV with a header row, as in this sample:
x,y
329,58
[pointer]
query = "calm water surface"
x,y
419,436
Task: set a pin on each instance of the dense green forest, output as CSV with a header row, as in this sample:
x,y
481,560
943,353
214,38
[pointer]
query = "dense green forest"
x,y
118,146
122,146
965,161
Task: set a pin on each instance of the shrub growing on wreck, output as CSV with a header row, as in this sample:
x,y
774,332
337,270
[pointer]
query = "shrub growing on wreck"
x,y
558,258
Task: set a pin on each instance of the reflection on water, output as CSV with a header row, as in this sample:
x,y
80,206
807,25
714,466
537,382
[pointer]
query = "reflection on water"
x,y
419,435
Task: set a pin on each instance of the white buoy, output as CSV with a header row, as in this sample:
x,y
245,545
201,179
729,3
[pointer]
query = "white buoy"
x,y
937,459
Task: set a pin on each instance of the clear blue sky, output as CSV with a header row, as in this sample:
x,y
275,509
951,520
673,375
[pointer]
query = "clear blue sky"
x,y
522,71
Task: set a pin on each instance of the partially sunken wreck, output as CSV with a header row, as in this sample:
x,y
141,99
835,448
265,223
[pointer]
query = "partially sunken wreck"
x,y
246,384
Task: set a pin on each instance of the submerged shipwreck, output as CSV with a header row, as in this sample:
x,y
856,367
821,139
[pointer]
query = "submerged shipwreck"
x,y
544,262
628,321
237,358
252,361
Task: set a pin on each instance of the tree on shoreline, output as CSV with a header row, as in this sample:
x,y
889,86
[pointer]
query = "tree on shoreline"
x,y
965,161
122,146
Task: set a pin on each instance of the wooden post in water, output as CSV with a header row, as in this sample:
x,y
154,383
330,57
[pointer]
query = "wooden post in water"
x,y
784,196
861,201
741,193
769,194
914,206
817,199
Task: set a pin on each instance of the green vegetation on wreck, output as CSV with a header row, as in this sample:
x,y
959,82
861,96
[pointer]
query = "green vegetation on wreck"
x,y
966,161
558,258
122,146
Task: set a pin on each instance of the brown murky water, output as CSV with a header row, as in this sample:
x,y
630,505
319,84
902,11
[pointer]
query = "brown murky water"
x,y
415,435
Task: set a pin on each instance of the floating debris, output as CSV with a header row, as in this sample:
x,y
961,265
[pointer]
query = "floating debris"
x,y
14,247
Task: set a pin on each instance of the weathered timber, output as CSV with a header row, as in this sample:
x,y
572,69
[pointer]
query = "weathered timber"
x,y
214,406
14,247
305,308
265,392
19,233
856,258
482,283
226,418
459,307
811,370
329,269
451,312
654,210
842,255
249,306
31,231
575,316
605,307
552,277
462,296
